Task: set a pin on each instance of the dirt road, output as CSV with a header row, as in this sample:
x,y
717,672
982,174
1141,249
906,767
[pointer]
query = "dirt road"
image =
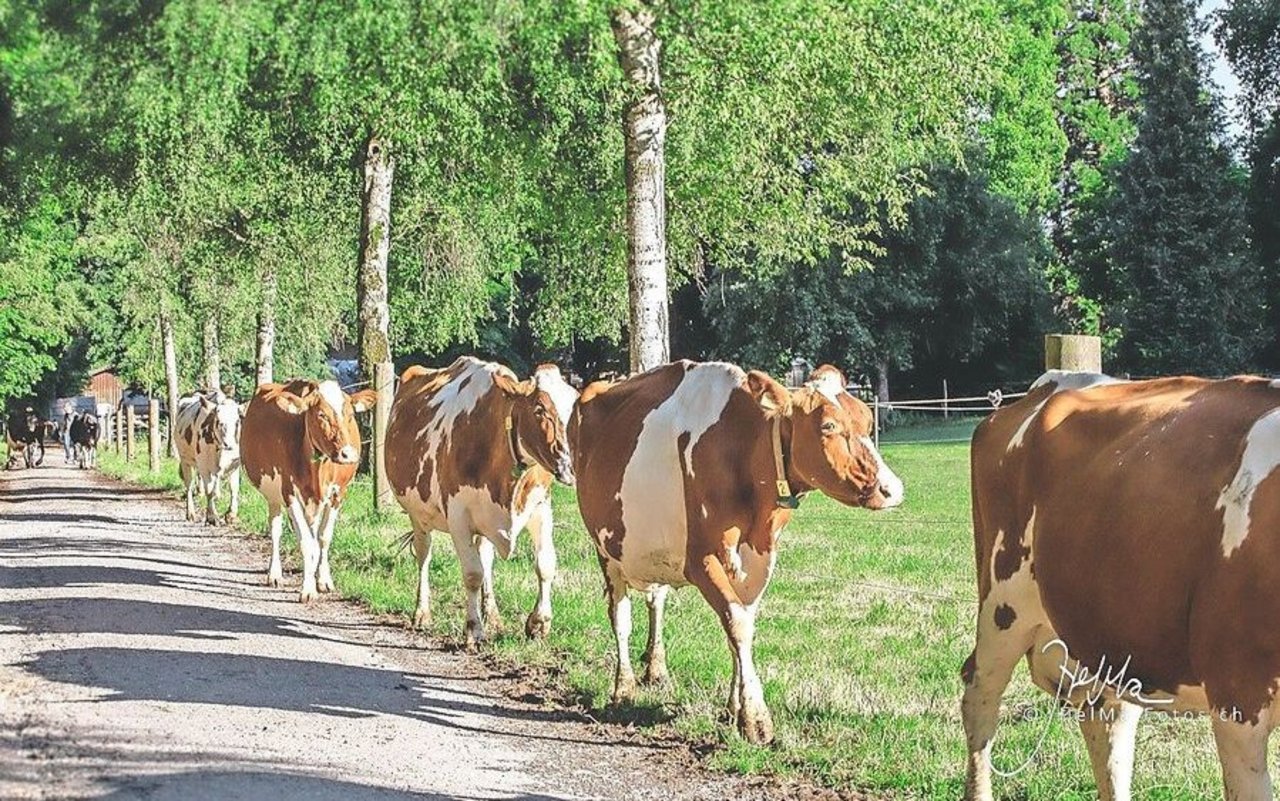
x,y
143,657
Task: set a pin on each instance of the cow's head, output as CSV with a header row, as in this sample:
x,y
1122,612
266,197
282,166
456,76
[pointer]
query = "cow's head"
x,y
90,426
537,420
830,444
331,419
223,416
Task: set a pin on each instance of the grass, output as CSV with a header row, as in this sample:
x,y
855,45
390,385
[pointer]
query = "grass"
x,y
859,642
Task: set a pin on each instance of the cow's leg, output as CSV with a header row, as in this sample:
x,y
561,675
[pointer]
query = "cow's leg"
x,y
329,519
210,488
1109,731
655,653
739,622
464,542
1242,750
538,623
615,590
986,674
189,482
422,551
310,550
275,524
233,481
492,617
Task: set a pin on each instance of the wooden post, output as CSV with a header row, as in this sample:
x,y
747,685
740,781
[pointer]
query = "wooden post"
x,y
108,431
946,412
384,382
128,434
153,435
875,419
1073,352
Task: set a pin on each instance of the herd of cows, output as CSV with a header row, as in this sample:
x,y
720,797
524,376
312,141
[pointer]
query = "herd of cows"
x,y
26,432
1127,534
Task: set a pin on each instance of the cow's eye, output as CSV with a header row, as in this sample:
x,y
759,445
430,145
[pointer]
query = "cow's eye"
x,y
830,427
541,412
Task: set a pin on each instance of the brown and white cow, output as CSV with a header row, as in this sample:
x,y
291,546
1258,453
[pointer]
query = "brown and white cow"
x,y
1128,544
688,473
458,445
207,433
300,446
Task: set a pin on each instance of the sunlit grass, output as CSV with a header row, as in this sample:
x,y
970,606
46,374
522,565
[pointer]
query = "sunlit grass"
x,y
860,641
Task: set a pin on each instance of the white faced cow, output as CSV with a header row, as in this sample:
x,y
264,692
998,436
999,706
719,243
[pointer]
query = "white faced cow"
x,y
688,473
471,450
301,446
207,433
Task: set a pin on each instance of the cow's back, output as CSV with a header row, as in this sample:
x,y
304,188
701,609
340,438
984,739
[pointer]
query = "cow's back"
x,y
1122,497
186,428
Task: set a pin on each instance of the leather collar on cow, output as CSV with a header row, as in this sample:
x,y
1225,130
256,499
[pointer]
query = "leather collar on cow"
x,y
786,498
513,444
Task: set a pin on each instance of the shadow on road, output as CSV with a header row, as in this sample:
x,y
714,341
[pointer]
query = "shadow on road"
x,y
291,685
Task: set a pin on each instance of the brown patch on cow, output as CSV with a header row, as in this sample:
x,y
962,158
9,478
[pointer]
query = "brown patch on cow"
x,y
1124,482
209,428
1004,616
273,441
970,668
477,449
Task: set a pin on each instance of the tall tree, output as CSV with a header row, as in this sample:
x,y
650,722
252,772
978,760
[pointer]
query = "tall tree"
x,y
644,125
1171,254
1249,33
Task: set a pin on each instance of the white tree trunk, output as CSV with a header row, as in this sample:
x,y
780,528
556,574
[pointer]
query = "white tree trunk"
x,y
644,123
170,376
375,244
267,328
212,356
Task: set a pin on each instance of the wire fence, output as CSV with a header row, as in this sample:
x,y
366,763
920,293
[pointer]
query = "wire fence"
x,y
967,406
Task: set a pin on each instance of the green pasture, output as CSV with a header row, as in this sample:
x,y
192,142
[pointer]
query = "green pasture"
x,y
860,642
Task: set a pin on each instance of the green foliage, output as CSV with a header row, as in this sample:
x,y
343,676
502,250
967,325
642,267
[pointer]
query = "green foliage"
x,y
960,280
1169,247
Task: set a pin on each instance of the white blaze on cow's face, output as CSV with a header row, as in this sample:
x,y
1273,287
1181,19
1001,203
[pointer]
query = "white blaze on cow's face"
x,y
539,427
832,444
226,426
331,419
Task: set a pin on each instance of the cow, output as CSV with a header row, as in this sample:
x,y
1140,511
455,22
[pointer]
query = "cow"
x,y
472,450
22,437
84,439
299,447
207,434
688,473
1126,539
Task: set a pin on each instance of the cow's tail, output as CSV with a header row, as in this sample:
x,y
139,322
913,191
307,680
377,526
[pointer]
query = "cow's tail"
x,y
403,542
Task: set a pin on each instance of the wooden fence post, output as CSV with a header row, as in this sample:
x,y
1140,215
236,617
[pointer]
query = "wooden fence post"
x,y
153,435
1073,352
119,443
875,422
128,434
384,383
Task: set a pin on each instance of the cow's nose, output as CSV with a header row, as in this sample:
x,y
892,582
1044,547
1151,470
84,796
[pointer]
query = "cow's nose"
x,y
564,472
347,455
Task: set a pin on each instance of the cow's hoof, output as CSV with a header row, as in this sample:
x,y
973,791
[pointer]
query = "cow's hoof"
x,y
422,618
656,675
537,626
308,596
493,621
232,519
274,580
212,521
624,691
757,728
325,586
475,638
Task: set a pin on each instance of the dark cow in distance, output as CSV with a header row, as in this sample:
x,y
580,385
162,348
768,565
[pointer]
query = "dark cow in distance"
x,y
688,473
1131,531
22,437
300,447
471,450
84,439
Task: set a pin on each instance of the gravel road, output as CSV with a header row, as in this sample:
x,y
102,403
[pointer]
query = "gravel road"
x,y
142,656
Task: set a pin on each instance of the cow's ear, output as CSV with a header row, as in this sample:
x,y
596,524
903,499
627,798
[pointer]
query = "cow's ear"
x,y
244,407
291,403
511,387
364,400
773,398
206,403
